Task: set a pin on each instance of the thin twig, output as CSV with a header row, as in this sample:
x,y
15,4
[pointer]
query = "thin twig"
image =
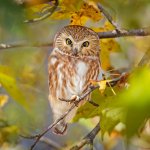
x,y
39,136
109,18
31,2
10,46
88,139
45,14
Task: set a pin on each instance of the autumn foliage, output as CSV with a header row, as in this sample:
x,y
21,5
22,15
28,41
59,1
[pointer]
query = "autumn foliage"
x,y
123,107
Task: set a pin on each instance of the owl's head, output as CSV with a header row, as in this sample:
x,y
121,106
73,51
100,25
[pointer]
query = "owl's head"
x,y
75,40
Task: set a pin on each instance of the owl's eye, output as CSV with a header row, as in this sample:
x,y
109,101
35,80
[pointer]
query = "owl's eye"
x,y
68,41
85,44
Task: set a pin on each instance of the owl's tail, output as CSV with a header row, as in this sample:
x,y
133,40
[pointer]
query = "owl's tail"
x,y
60,128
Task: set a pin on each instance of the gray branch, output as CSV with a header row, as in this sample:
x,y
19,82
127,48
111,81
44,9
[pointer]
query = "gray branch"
x,y
39,136
124,33
74,104
88,139
102,35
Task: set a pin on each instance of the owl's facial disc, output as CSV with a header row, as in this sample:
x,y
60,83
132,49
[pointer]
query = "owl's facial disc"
x,y
77,41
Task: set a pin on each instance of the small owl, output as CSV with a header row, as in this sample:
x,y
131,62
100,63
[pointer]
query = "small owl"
x,y
73,62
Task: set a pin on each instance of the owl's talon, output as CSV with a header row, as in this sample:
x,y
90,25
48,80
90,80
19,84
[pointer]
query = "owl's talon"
x,y
60,129
74,99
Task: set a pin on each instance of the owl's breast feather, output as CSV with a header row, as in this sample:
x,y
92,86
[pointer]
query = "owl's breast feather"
x,y
69,75
80,77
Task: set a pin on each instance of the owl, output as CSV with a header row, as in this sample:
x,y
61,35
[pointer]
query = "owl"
x,y
73,62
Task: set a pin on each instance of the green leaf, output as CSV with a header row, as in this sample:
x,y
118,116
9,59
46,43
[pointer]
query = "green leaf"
x,y
90,111
136,100
110,118
9,134
10,85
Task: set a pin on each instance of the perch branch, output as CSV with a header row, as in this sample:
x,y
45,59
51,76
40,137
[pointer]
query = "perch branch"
x,y
133,32
39,136
88,139
102,35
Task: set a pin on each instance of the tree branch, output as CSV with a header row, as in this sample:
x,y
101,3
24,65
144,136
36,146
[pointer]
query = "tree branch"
x,y
133,32
39,136
88,139
10,46
102,35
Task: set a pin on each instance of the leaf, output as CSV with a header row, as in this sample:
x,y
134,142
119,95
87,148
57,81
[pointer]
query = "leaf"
x,y
107,46
90,111
110,118
10,85
37,10
136,100
3,100
9,134
73,5
87,11
102,85
67,8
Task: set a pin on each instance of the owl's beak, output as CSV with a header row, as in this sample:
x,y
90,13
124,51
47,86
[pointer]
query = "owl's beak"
x,y
75,51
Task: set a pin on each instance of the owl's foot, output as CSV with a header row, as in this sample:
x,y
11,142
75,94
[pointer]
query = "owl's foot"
x,y
60,128
74,99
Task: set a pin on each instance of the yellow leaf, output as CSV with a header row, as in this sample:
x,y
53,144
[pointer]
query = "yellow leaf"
x,y
107,27
3,100
71,5
87,11
61,14
107,46
78,18
102,85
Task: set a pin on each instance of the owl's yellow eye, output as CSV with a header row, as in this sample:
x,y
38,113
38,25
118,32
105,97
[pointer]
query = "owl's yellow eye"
x,y
85,44
68,41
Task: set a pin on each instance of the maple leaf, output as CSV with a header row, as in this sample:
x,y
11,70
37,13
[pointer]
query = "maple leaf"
x,y
87,11
102,85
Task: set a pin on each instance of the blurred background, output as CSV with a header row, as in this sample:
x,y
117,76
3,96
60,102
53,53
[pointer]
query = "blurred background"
x,y
24,107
